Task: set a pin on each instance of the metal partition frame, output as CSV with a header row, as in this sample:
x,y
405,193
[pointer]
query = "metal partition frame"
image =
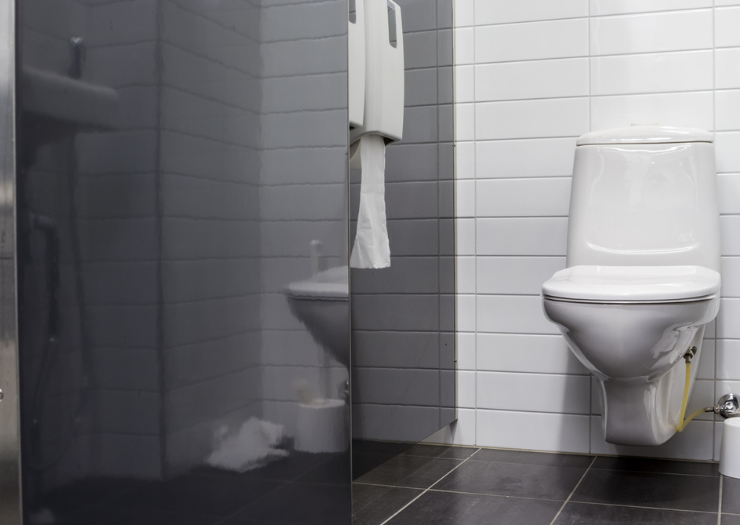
x,y
10,508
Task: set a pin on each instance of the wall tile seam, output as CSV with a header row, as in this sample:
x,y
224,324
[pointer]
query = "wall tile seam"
x,y
651,13
519,372
527,60
525,22
569,414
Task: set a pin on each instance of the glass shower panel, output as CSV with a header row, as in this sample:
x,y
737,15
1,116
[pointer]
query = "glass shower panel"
x,y
403,317
182,216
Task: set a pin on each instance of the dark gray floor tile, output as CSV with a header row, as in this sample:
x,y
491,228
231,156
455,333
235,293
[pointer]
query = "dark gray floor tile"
x,y
731,495
373,504
446,508
585,514
730,519
643,489
368,455
438,451
657,465
410,471
513,479
533,458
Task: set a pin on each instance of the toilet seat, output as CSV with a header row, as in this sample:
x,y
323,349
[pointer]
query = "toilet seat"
x,y
632,284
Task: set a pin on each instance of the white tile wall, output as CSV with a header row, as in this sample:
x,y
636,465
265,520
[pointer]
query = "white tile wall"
x,y
543,73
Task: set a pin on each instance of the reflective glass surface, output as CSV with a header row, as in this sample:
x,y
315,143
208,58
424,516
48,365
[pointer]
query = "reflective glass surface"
x,y
181,175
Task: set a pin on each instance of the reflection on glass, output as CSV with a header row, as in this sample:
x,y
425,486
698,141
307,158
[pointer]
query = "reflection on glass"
x,y
182,229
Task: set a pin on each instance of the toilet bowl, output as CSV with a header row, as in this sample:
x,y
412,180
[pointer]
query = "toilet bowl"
x,y
642,278
321,303
630,326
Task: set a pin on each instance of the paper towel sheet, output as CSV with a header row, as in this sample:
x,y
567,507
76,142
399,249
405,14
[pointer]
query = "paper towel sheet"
x,y
371,249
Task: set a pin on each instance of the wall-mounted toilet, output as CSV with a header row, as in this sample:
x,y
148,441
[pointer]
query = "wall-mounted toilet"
x,y
642,278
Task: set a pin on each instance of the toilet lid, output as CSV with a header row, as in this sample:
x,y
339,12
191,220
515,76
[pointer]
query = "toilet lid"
x,y
618,284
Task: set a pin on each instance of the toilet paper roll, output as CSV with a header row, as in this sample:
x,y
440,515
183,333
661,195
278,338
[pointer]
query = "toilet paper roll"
x,y
371,248
729,456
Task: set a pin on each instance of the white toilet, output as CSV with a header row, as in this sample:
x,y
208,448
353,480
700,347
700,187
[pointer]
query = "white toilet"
x,y
642,278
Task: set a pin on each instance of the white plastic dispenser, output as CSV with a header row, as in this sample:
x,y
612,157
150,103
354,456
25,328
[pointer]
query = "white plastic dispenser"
x,y
356,65
381,121
384,71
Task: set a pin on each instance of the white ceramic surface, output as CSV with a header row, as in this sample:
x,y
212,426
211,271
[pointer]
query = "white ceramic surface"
x,y
643,281
729,456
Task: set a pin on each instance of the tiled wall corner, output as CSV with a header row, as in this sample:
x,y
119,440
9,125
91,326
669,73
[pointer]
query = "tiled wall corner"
x,y
530,77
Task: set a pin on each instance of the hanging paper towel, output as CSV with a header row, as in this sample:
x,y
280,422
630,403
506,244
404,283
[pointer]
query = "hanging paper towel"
x,y
371,249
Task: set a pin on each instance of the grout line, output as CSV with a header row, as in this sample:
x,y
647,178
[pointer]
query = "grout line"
x,y
427,490
641,507
573,491
719,506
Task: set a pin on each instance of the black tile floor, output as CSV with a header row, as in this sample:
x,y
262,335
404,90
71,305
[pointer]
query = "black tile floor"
x,y
431,485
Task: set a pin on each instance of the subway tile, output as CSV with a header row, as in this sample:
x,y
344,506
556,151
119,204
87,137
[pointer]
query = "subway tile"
x,y
520,236
730,276
466,351
513,315
406,275
466,307
696,442
618,7
410,162
730,234
727,68
725,387
464,13
465,274
420,87
654,32
464,84
525,158
418,15
393,350
446,85
465,196
460,432
728,359
548,197
726,24
420,49
727,110
397,312
465,160
411,237
465,236
464,122
564,117
533,431
693,110
394,386
728,192
464,46
532,79
727,325
561,394
707,360
466,389
719,3
420,124
542,354
505,11
395,422
727,146
652,73
534,40
718,427
515,275
701,396
445,47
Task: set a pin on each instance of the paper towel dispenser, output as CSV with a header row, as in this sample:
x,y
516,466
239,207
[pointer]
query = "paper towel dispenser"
x,y
376,69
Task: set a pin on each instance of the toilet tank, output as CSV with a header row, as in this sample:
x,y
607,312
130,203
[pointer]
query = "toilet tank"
x,y
644,196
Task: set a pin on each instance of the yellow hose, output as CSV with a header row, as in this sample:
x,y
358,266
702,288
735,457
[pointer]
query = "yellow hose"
x,y
681,421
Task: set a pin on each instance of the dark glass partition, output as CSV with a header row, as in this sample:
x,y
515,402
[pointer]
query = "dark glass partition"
x,y
181,214
403,317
